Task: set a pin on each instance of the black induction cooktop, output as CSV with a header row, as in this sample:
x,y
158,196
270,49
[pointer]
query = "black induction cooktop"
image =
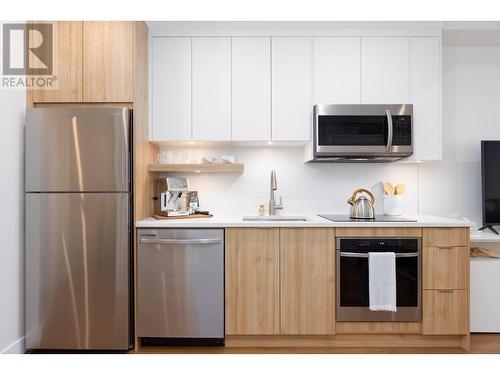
x,y
379,218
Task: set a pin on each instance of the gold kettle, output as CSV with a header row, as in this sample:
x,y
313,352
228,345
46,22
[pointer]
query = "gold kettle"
x,y
361,207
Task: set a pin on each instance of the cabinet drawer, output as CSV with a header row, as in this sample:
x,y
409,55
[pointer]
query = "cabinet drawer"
x,y
446,236
445,267
445,312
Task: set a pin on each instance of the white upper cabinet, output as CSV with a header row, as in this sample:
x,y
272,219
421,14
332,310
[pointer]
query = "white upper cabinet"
x,y
291,89
384,70
426,97
239,88
171,89
337,70
211,69
251,88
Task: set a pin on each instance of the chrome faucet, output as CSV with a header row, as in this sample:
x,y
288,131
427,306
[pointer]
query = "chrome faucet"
x,y
272,203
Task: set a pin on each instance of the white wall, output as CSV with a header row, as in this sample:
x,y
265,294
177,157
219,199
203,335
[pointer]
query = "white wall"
x,y
471,100
12,108
471,90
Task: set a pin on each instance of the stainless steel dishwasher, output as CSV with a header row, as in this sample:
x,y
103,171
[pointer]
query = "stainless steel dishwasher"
x,y
181,286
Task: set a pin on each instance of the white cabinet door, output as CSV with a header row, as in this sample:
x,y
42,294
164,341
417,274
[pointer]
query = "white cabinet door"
x,y
384,70
426,97
337,72
171,89
211,88
291,89
251,89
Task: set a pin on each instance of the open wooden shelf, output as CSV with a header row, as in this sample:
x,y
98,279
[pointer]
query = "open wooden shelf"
x,y
197,168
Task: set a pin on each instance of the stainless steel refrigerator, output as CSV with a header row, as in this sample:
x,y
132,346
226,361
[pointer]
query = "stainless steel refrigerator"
x,y
78,228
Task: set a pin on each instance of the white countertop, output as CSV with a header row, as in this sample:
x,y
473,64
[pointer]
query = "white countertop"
x,y
223,221
484,236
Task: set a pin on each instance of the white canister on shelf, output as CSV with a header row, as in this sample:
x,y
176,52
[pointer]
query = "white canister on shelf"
x,y
393,205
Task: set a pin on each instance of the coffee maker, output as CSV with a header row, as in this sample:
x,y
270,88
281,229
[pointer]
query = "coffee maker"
x,y
173,197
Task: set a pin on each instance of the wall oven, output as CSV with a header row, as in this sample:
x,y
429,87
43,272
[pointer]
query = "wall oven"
x,y
362,133
352,279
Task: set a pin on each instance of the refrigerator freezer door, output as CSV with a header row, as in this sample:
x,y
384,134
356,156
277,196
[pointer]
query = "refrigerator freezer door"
x,y
77,271
77,149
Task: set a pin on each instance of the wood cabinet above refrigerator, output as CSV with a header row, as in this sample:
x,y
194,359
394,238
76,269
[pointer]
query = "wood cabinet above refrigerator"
x,y
93,63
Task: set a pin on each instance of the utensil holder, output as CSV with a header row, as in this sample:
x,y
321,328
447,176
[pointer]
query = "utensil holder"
x,y
393,205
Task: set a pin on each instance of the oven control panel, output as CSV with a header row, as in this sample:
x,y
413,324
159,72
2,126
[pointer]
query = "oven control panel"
x,y
378,244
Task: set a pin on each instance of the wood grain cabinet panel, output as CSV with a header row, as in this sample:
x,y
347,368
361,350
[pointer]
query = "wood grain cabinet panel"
x,y
446,236
67,65
108,61
445,312
378,232
445,267
252,281
307,258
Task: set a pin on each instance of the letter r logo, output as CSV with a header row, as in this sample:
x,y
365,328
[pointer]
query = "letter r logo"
x,y
27,49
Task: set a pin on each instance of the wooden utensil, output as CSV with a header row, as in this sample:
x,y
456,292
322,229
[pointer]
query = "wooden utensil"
x,y
388,188
400,189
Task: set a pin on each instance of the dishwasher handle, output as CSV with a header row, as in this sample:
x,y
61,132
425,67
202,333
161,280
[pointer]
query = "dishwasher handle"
x,y
170,241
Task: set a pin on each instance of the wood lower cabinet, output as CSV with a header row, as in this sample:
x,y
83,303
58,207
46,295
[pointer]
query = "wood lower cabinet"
x,y
252,281
445,267
108,61
307,275
67,65
280,289
445,273
446,237
445,312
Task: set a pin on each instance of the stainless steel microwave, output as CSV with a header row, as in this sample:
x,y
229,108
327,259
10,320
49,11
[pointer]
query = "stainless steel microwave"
x,y
362,132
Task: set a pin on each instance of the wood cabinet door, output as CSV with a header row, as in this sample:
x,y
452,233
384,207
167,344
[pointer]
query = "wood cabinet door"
x,y
445,312
307,257
108,61
445,267
446,236
384,70
251,89
211,75
426,97
291,88
337,73
171,89
252,281
67,65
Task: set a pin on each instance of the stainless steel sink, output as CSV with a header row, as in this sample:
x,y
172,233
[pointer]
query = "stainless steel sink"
x,y
275,218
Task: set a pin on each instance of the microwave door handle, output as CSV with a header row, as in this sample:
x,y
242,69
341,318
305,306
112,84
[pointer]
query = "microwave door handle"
x,y
365,255
390,127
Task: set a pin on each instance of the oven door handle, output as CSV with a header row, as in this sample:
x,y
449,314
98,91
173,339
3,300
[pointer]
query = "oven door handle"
x,y
365,255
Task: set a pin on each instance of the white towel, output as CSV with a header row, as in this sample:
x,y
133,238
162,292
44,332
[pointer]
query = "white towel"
x,y
382,281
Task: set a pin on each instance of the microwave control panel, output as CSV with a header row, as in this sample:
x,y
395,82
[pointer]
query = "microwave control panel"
x,y
401,135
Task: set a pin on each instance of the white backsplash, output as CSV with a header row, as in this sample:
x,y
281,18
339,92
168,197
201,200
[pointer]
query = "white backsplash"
x,y
305,187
